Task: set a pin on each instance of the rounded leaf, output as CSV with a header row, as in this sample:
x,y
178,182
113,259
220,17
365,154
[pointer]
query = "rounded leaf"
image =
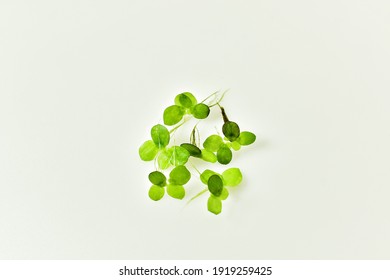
x,y
160,135
163,159
231,130
185,99
204,177
224,155
173,114
235,145
148,150
178,155
157,178
214,205
246,138
213,143
215,185
156,192
176,191
200,111
232,177
224,194
179,175
209,156
192,149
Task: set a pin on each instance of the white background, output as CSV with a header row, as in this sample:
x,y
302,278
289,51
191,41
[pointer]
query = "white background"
x,y
82,82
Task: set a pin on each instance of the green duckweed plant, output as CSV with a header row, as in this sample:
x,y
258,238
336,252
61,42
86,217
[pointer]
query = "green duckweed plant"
x,y
174,159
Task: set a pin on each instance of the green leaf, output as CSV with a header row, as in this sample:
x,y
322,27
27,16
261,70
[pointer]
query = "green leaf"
x,y
173,114
224,194
232,177
246,138
214,205
235,145
157,178
200,111
192,149
176,191
204,177
163,159
224,155
160,135
179,175
156,192
178,155
213,143
185,99
231,130
208,156
215,185
148,150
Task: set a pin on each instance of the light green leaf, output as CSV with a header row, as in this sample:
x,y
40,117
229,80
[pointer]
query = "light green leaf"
x,y
231,130
157,178
224,194
148,151
185,99
214,205
192,149
215,185
246,138
160,135
156,192
209,156
176,191
224,155
213,143
200,111
163,159
235,145
179,175
204,177
178,155
232,177
173,114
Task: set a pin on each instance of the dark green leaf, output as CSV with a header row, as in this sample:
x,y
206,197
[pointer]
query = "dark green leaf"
x,y
160,135
192,149
148,151
157,178
204,177
173,114
200,111
179,175
231,130
215,185
224,155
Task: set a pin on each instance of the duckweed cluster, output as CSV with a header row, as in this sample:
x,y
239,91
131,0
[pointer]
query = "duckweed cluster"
x,y
176,158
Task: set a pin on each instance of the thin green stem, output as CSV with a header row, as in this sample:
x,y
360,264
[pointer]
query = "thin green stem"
x,y
220,99
211,95
198,195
